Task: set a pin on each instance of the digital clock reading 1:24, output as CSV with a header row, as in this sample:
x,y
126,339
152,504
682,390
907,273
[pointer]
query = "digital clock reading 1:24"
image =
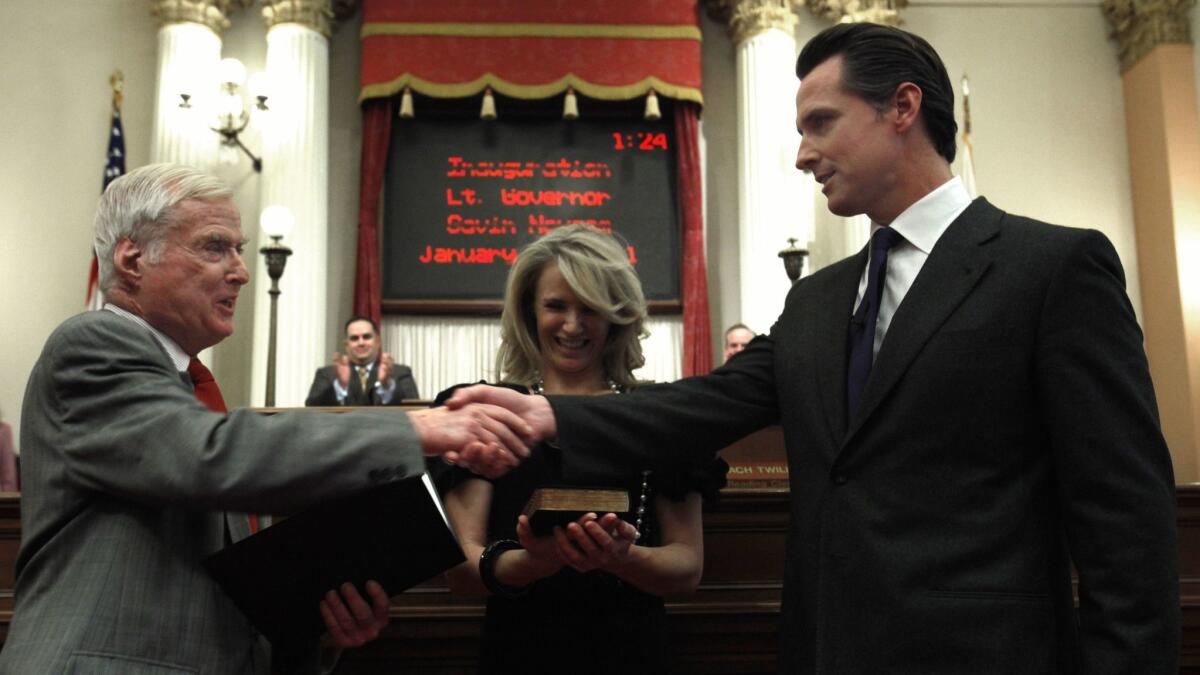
x,y
642,140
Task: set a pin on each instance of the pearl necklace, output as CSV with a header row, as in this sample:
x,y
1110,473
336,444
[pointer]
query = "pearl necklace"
x,y
539,386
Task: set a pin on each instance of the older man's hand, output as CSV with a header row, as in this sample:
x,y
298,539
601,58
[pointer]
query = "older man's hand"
x,y
349,620
534,410
486,439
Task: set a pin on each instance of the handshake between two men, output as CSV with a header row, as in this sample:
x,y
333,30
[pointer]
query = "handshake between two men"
x,y
486,429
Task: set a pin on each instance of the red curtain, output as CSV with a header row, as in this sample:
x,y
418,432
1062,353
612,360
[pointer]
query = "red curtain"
x,y
377,131
531,49
615,50
697,339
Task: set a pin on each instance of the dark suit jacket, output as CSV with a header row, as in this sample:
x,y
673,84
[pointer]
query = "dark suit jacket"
x,y
1008,429
125,477
322,394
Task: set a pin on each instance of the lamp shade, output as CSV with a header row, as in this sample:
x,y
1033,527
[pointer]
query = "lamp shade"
x,y
231,71
277,221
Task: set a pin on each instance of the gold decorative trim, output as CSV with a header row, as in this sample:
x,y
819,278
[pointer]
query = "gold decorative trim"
x,y
550,30
530,91
315,14
885,12
1139,26
211,13
746,18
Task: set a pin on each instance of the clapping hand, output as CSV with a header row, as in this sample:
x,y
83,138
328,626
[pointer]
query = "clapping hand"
x,y
341,364
386,363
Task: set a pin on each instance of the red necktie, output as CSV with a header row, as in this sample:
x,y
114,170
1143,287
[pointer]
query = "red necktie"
x,y
208,393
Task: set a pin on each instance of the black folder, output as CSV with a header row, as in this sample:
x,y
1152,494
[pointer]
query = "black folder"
x,y
396,533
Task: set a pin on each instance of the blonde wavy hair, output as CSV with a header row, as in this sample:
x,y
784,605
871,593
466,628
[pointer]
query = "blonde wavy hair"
x,y
596,268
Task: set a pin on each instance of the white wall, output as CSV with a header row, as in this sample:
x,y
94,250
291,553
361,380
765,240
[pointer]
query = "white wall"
x,y
1047,115
55,61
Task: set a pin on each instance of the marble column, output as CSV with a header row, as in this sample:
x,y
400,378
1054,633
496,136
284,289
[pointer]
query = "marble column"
x,y
1163,135
189,49
775,201
295,175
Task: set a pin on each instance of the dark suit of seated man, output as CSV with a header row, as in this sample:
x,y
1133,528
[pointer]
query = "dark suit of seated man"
x,y
362,375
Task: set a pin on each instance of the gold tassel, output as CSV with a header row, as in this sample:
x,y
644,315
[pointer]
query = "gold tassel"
x,y
406,104
488,110
570,105
652,111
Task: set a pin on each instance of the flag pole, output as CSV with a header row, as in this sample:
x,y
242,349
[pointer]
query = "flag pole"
x,y
114,166
117,82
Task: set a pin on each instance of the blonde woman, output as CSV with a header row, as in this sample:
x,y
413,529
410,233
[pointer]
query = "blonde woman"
x,y
586,599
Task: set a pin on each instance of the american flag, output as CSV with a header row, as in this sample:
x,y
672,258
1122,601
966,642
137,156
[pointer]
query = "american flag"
x,y
113,168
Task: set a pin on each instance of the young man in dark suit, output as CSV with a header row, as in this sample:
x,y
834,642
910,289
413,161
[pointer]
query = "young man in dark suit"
x,y
966,405
363,374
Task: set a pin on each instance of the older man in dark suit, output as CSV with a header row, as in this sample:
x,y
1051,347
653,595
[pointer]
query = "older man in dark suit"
x,y
966,405
132,471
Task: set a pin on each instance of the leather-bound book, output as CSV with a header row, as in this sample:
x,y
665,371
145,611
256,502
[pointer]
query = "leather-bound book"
x,y
551,506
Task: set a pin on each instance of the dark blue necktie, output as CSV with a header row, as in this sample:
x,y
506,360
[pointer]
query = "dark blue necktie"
x,y
862,324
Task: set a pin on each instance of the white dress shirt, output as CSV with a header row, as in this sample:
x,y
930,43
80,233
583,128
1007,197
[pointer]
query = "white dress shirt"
x,y
921,225
178,356
385,391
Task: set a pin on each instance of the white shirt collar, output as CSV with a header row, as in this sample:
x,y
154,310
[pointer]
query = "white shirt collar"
x,y
178,356
923,223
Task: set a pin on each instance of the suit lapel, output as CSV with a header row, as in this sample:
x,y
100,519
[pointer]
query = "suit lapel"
x,y
955,265
832,325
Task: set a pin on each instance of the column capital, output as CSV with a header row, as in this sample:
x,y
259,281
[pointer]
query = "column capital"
x,y
315,14
886,12
746,18
211,13
1141,25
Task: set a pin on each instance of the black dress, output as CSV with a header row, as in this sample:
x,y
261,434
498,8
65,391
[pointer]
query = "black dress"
x,y
574,622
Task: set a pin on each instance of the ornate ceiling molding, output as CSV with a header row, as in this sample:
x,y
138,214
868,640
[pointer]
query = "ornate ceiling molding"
x,y
746,18
211,13
316,14
1141,25
859,11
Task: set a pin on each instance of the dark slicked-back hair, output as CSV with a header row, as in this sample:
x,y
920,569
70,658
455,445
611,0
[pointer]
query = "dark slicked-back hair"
x,y
359,317
876,59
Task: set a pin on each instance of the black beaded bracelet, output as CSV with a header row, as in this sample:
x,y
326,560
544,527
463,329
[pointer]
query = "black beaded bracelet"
x,y
487,569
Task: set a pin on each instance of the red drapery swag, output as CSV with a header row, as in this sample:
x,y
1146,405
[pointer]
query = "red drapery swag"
x,y
612,50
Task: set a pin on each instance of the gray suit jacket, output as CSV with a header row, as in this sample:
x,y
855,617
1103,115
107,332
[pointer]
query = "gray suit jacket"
x,y
125,477
1007,432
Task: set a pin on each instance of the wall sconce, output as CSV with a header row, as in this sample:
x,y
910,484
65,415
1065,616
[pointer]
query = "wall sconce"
x,y
276,222
793,259
229,110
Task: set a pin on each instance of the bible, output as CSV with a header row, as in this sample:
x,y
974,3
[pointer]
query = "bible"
x,y
396,533
551,506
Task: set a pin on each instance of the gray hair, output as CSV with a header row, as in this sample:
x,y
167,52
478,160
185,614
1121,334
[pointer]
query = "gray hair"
x,y
599,273
140,206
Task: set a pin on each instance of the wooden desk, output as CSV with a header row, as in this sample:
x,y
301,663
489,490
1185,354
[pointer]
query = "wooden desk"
x,y
728,626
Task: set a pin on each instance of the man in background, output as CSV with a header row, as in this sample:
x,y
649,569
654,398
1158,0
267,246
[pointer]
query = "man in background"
x,y
737,337
133,472
362,375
